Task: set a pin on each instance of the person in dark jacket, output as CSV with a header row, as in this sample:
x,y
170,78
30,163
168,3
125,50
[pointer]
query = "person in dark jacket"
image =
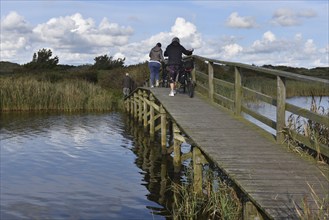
x,y
156,57
127,85
174,52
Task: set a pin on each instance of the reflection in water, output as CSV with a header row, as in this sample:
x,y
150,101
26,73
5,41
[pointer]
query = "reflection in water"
x,y
81,166
158,170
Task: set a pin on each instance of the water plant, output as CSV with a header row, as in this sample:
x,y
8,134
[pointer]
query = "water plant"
x,y
29,94
316,132
218,200
320,211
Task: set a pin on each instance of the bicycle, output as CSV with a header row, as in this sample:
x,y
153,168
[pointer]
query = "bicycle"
x,y
186,80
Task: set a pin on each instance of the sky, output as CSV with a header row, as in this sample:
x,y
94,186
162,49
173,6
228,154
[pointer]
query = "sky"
x,y
288,32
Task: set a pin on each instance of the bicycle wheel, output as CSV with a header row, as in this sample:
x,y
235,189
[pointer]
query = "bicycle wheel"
x,y
190,88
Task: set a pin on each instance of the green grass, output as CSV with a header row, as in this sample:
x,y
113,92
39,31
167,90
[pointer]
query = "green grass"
x,y
29,94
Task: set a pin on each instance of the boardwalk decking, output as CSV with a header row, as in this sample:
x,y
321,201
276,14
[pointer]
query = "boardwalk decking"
x,y
273,178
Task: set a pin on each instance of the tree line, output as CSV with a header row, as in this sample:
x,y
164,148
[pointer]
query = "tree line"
x,y
43,60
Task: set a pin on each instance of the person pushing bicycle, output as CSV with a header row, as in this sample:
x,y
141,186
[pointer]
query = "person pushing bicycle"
x,y
174,52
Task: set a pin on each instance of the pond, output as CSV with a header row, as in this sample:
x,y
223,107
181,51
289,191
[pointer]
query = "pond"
x,y
322,103
81,166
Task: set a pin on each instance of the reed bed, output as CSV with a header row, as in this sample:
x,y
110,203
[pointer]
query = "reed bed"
x,y
316,132
218,200
28,94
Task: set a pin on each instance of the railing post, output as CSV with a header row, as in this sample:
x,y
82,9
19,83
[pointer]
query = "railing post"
x,y
163,130
152,128
280,108
145,109
238,91
211,80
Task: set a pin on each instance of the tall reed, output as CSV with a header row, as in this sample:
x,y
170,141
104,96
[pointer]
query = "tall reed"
x,y
316,132
28,94
218,200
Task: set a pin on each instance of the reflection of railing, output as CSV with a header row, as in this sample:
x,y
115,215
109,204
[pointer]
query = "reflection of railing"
x,y
211,87
148,111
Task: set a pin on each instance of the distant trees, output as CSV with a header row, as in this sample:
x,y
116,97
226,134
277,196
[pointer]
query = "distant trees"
x,y
42,60
106,63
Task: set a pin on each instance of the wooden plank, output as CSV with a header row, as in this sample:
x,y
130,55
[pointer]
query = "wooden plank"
x,y
268,173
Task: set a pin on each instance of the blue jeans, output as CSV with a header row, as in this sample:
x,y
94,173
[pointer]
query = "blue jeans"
x,y
154,72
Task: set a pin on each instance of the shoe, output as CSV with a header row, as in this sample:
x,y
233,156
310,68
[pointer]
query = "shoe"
x,y
171,93
157,83
152,86
175,92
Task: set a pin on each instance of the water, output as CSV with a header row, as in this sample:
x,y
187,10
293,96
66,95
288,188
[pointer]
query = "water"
x,y
270,111
85,166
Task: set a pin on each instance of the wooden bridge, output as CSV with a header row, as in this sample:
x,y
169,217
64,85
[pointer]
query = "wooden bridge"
x,y
279,183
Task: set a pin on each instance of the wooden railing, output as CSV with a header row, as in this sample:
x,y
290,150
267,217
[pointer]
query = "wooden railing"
x,y
212,88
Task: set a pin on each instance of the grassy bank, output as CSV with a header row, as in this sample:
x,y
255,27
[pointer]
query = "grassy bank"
x,y
29,94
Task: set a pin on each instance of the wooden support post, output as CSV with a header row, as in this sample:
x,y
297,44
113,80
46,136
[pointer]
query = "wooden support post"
x,y
163,130
197,170
152,120
177,149
238,91
125,102
135,106
250,212
131,105
163,183
280,108
140,106
211,80
145,108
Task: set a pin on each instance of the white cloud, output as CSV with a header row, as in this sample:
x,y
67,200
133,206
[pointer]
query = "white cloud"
x,y
78,40
13,21
287,17
14,36
309,47
236,21
71,36
309,13
76,32
267,44
186,31
231,50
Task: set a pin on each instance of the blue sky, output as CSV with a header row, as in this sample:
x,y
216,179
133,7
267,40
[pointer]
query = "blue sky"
x,y
293,33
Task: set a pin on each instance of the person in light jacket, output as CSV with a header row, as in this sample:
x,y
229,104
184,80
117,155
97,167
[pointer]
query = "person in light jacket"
x,y
156,57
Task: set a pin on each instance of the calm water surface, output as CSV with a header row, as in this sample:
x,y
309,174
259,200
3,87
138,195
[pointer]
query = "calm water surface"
x,y
269,111
82,166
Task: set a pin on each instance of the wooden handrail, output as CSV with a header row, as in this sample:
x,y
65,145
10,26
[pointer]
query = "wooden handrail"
x,y
209,83
281,73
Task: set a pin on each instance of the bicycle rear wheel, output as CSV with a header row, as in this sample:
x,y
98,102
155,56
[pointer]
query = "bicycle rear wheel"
x,y
190,89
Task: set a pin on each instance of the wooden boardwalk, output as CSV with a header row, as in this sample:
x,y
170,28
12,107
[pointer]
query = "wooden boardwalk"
x,y
273,178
